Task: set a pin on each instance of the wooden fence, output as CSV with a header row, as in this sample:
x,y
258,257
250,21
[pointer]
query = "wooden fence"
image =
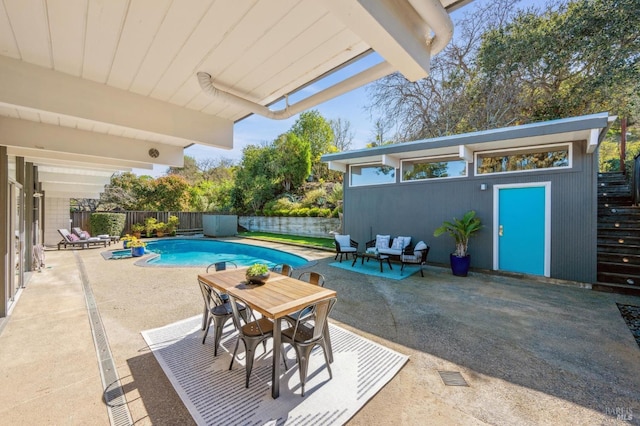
x,y
190,222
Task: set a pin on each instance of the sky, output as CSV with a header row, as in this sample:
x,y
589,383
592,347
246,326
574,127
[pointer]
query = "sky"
x,y
351,106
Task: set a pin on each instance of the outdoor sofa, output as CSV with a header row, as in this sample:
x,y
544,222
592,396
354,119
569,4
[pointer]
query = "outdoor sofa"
x,y
392,247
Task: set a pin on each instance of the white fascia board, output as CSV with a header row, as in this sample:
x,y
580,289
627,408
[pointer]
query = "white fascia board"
x,y
47,137
392,28
391,161
72,194
75,187
337,166
42,89
593,140
465,153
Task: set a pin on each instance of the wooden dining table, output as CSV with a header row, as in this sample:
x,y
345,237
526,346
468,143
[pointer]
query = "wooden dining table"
x,y
279,296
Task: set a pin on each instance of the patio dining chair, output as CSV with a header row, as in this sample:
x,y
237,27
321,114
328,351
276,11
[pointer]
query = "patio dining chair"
x,y
309,331
283,269
216,310
252,332
313,278
222,265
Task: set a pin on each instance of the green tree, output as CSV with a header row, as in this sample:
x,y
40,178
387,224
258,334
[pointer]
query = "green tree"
x,y
314,128
255,180
293,160
190,170
170,194
582,57
127,191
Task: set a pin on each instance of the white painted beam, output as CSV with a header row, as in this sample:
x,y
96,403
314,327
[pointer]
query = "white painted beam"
x,y
392,28
39,158
72,194
592,142
337,166
391,161
72,178
42,89
46,137
465,153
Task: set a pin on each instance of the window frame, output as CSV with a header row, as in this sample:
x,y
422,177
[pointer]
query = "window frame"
x,y
435,158
375,164
550,147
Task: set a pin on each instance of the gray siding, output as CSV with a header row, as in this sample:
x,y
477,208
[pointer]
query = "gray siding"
x,y
417,208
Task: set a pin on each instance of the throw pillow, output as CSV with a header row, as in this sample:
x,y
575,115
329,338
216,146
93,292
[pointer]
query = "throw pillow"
x,y
382,241
420,246
397,243
74,237
406,241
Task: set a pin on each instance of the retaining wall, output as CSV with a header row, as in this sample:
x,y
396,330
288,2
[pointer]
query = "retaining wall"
x,y
309,226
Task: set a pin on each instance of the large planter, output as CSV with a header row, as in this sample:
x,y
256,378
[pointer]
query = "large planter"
x,y
460,265
258,279
137,251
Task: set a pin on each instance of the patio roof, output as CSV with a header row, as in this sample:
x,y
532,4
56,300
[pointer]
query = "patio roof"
x,y
590,128
114,85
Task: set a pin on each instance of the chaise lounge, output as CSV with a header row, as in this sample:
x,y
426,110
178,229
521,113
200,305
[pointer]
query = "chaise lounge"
x,y
84,235
69,239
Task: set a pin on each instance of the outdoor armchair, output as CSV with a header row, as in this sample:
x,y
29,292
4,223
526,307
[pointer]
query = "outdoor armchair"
x,y
417,256
344,245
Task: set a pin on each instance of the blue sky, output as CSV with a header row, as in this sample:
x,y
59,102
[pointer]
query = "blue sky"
x,y
351,107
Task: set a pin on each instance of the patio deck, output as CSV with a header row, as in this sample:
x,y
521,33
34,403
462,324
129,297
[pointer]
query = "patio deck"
x,y
531,352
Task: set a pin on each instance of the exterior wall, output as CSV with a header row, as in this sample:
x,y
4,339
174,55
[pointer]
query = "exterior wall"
x,y
56,217
418,208
309,226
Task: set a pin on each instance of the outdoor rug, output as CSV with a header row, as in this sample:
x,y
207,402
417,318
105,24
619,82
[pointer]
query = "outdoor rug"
x,y
372,267
214,395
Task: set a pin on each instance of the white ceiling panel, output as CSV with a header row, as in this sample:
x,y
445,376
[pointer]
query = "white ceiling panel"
x,y
124,71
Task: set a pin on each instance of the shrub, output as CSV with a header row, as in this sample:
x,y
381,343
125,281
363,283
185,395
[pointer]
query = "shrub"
x,y
315,198
107,223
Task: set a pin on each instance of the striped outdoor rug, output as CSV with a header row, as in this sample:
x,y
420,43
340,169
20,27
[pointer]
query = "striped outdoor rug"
x,y
216,396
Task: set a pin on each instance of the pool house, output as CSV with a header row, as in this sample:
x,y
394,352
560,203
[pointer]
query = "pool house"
x,y
533,186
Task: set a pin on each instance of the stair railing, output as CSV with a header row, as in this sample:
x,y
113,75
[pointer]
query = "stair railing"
x,y
635,180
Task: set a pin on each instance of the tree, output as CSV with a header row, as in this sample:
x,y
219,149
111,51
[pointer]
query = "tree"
x,y
294,160
312,127
190,170
449,101
170,194
127,191
582,57
255,179
342,133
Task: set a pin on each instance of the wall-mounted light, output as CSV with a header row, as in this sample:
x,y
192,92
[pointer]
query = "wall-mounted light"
x,y
37,194
483,187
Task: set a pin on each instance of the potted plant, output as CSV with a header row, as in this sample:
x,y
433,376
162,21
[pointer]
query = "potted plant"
x,y
258,273
137,247
172,225
150,225
126,240
161,228
460,230
136,229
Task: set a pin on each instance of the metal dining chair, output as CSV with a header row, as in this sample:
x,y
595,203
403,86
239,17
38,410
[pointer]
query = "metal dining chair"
x,y
308,332
222,265
283,269
312,278
216,310
252,333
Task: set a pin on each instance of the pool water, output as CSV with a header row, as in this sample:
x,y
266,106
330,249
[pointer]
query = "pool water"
x,y
189,252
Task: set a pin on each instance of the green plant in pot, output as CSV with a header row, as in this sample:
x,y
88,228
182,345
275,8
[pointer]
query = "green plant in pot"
x,y
136,229
150,225
172,225
461,230
258,273
137,247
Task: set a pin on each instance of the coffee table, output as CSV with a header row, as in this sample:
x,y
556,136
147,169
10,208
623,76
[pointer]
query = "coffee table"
x,y
371,255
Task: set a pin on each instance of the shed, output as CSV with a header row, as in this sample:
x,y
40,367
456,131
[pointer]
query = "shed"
x,y
533,186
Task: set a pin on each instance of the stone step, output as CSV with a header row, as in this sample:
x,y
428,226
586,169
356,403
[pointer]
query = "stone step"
x,y
617,188
619,211
628,241
611,231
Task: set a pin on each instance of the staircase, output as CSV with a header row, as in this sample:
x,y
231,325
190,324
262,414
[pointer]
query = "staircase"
x,y
618,236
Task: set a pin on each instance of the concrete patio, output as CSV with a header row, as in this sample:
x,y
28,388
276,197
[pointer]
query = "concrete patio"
x,y
531,352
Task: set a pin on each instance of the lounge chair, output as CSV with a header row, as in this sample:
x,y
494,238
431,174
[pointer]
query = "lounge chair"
x,y
84,235
69,239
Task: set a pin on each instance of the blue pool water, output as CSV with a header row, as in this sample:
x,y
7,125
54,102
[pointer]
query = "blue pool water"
x,y
188,252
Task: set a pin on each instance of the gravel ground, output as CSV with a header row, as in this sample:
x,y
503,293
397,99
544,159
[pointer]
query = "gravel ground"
x,y
631,315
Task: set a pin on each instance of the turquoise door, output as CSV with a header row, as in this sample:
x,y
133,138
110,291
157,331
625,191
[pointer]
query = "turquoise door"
x,y
522,230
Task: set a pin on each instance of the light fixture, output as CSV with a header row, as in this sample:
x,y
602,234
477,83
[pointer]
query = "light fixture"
x,y
37,194
154,153
483,187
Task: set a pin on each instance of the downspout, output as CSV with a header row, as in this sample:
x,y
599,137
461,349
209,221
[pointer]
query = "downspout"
x,y
430,11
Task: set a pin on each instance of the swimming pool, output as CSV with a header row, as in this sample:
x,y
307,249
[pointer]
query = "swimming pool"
x,y
190,252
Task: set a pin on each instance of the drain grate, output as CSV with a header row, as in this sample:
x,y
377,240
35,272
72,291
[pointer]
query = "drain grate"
x,y
452,378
